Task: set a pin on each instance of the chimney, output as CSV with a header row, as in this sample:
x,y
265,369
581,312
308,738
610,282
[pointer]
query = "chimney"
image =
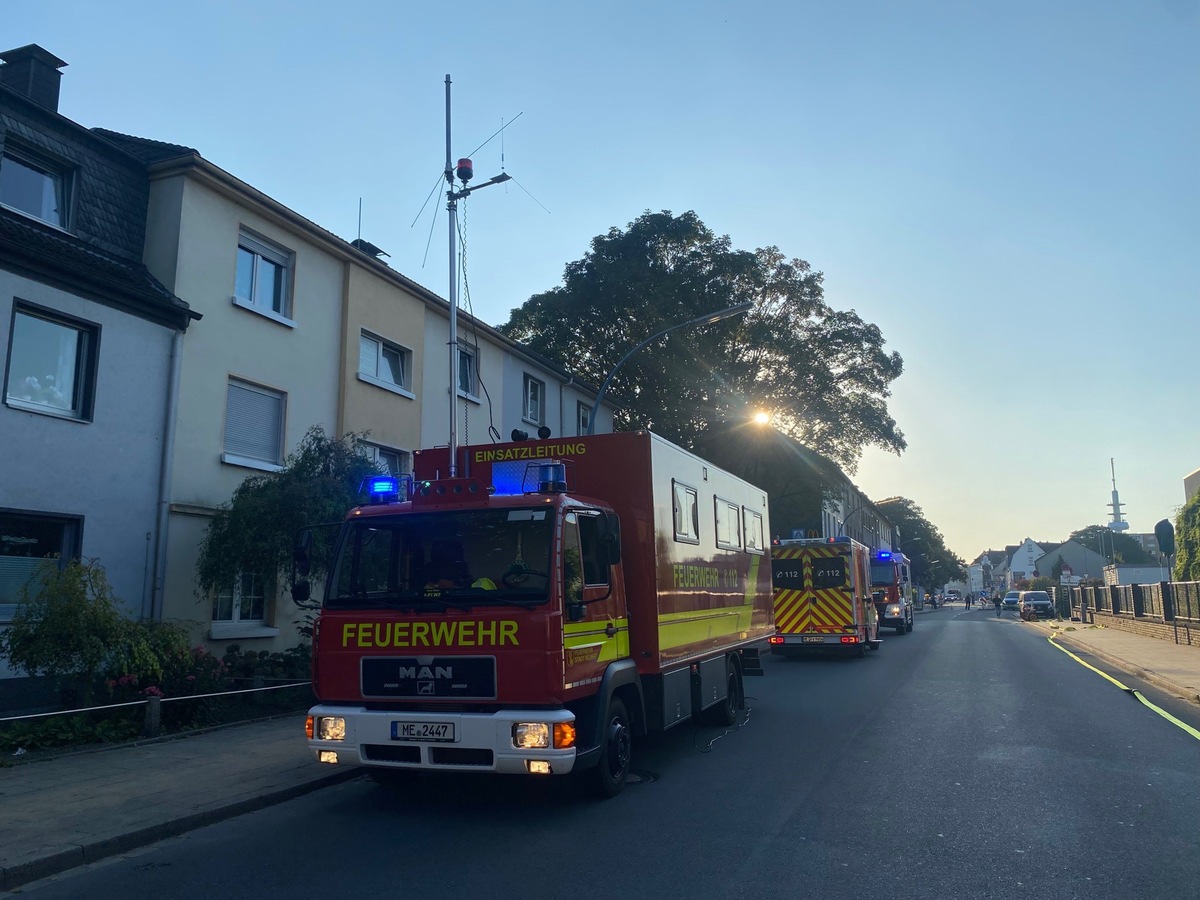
x,y
33,72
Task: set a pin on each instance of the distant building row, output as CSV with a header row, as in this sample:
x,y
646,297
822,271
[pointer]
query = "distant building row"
x,y
996,571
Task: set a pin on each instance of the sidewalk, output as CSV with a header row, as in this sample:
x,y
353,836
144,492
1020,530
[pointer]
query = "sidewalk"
x,y
69,810
73,809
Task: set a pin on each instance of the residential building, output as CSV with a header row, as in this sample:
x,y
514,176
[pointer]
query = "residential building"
x,y
89,339
135,238
1072,559
1023,559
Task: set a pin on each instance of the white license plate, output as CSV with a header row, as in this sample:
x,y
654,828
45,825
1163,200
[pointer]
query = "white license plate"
x,y
812,639
422,731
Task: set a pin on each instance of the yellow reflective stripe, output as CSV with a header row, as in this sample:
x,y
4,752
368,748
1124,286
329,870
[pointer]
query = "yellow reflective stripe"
x,y
577,635
681,629
752,582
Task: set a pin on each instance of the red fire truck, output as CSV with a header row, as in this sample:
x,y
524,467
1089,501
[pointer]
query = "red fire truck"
x,y
537,611
891,586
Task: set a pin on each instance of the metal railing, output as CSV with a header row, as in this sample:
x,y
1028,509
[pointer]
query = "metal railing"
x,y
153,716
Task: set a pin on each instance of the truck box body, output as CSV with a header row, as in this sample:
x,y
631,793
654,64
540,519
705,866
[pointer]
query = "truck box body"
x,y
822,596
437,672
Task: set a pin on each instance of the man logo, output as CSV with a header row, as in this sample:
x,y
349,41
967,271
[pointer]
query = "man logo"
x,y
426,672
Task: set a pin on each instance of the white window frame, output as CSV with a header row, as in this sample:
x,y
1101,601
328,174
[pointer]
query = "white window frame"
x,y
727,517
236,626
381,346
752,528
468,372
245,403
36,397
533,402
58,176
261,250
583,417
380,454
685,502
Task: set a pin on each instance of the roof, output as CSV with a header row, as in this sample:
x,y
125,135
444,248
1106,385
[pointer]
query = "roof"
x,y
148,151
168,159
45,254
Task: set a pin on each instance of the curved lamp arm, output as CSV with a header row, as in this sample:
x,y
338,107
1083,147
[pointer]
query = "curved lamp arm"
x,y
707,319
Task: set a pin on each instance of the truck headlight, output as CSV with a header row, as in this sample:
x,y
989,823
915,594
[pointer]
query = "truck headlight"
x,y
331,728
893,611
531,735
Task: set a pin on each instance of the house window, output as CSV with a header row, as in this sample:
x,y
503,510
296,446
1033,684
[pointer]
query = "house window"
x,y
535,395
34,188
27,540
52,363
583,418
468,375
243,602
253,425
383,363
262,280
394,462
687,513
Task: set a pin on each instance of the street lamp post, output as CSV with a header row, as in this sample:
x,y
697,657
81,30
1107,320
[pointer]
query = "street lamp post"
x,y
707,319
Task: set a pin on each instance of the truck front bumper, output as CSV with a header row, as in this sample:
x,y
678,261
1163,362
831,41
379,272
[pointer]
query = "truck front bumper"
x,y
478,742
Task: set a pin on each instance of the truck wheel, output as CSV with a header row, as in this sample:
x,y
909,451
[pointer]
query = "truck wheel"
x,y
911,623
616,750
724,713
901,629
861,651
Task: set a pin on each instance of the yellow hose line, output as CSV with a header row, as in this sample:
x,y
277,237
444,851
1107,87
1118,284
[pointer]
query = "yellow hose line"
x,y
1162,712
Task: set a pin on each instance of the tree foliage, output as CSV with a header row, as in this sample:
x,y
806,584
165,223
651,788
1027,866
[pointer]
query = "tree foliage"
x,y
823,374
933,563
69,624
1187,541
256,531
1112,545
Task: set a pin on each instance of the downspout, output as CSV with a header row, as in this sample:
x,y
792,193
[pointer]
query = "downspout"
x,y
562,389
165,470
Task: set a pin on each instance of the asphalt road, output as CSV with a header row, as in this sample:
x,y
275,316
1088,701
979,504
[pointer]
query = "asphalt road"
x,y
968,759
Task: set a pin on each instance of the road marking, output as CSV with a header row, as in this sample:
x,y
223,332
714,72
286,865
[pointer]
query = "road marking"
x,y
1162,712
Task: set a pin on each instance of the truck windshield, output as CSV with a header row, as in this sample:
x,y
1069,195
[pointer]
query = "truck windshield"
x,y
462,558
883,573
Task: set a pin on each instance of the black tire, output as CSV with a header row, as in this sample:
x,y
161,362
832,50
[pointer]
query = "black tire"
x,y
861,651
725,713
901,629
911,623
616,751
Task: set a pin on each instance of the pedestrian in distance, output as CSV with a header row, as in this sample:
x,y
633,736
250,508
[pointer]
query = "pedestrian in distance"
x,y
996,602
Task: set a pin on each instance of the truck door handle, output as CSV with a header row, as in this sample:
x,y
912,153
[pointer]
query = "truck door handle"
x,y
610,630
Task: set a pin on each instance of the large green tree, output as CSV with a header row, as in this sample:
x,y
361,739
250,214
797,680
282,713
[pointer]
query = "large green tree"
x,y
933,563
1112,545
822,374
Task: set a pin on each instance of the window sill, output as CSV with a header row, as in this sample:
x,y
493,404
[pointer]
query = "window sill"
x,y
470,398
534,422
386,385
26,406
247,462
220,631
34,218
265,313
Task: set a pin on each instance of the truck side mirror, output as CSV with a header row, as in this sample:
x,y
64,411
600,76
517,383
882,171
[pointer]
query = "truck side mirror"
x,y
576,612
611,536
301,592
302,553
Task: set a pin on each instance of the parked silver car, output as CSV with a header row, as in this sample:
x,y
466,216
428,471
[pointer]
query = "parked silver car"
x,y
1039,602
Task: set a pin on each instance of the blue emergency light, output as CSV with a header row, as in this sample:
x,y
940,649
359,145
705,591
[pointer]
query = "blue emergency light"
x,y
883,554
383,487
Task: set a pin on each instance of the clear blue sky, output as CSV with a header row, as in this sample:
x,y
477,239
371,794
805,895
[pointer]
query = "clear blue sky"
x,y
1010,190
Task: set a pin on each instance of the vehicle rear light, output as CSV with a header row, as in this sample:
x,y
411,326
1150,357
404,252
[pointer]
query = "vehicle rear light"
x,y
775,639
850,639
